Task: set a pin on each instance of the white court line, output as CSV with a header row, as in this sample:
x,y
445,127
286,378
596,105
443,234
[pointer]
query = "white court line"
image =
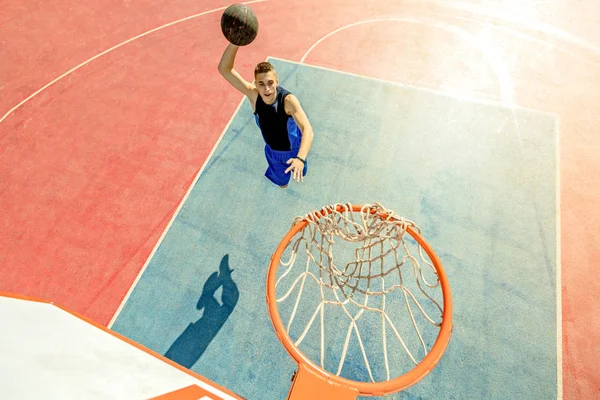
x,y
114,48
559,331
480,98
493,58
175,214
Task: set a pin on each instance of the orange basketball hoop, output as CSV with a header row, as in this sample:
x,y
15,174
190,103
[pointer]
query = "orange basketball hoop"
x,y
385,252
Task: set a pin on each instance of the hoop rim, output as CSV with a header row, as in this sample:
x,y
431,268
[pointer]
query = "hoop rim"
x,y
364,388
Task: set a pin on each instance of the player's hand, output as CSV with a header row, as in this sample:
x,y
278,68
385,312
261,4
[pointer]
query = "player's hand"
x,y
296,166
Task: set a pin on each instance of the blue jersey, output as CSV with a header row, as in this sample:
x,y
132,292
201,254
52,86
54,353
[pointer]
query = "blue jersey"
x,y
279,130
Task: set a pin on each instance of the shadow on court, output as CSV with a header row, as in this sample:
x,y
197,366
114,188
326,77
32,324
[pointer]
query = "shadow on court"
x,y
191,344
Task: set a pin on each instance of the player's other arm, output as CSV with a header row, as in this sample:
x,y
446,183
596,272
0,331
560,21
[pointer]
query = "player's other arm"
x,y
294,109
231,75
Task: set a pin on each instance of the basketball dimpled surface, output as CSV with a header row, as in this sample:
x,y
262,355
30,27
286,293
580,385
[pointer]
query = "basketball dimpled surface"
x,y
239,24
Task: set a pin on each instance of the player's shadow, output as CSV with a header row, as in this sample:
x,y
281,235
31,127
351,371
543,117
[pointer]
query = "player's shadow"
x,y
191,344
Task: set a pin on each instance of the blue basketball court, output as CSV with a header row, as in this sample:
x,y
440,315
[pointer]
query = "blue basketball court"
x,y
479,179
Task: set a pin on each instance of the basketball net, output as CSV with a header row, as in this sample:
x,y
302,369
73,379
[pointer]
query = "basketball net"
x,y
385,259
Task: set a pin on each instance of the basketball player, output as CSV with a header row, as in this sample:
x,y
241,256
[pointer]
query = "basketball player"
x,y
284,126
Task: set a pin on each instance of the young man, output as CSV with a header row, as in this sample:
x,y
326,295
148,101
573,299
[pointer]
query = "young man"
x,y
285,128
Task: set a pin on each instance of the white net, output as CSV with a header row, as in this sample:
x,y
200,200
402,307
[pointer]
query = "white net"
x,y
352,266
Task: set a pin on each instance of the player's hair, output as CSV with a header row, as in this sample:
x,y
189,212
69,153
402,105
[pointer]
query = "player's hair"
x,y
263,67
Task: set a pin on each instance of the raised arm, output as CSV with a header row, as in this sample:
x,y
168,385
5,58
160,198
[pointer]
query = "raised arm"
x,y
231,75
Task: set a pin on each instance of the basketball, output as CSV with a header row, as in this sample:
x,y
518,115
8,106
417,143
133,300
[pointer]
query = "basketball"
x,y
239,24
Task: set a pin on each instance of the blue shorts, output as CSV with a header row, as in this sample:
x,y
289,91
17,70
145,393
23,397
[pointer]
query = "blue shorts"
x,y
277,165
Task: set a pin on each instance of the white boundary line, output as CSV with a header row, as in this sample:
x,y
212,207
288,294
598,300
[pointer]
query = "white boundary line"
x,y
559,332
488,101
488,52
175,214
111,49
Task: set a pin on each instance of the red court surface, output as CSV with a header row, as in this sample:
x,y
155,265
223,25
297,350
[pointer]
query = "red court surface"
x,y
93,167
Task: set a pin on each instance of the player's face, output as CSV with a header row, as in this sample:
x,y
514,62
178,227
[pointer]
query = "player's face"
x,y
266,83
